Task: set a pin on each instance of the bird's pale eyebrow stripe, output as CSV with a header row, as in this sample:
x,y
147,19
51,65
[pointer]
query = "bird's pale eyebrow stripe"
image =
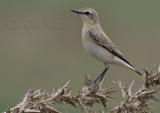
x,y
100,42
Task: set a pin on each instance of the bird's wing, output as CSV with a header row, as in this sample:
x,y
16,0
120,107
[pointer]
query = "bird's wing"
x,y
102,40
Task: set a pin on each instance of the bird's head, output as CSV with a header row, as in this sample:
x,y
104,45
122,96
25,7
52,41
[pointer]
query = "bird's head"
x,y
88,15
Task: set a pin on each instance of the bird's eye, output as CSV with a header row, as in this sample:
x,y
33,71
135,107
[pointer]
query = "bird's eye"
x,y
87,13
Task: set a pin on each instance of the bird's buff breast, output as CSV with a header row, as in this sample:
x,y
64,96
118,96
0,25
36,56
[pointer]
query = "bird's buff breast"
x,y
95,50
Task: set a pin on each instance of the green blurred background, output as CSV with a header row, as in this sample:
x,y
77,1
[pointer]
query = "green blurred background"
x,y
40,44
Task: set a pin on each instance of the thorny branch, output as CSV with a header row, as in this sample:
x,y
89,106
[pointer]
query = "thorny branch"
x,y
139,102
38,101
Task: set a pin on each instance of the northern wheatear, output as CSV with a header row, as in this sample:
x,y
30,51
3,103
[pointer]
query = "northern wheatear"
x,y
98,44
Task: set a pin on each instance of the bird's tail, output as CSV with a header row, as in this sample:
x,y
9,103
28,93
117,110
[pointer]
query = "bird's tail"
x,y
133,68
139,73
127,65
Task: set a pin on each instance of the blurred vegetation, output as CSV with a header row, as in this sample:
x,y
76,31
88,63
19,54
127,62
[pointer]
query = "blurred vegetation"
x,y
40,43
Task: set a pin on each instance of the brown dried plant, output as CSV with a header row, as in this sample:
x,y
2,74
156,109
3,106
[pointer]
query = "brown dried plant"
x,y
139,102
38,101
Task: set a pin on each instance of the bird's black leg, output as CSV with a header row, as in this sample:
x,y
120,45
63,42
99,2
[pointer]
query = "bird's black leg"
x,y
100,77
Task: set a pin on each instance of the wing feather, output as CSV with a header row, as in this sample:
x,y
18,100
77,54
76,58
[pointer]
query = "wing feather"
x,y
108,45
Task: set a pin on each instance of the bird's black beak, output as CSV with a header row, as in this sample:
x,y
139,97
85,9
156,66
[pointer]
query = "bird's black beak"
x,y
77,11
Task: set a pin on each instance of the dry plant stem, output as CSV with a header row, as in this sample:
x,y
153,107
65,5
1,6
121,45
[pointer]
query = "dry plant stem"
x,y
139,102
38,101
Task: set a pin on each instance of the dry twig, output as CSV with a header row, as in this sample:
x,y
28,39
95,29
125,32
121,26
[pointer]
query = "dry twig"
x,y
139,102
38,101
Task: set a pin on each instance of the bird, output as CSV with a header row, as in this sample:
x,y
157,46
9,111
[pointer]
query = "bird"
x,y
98,44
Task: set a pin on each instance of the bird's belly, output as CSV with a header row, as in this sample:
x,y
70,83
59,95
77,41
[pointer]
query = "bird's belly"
x,y
98,52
